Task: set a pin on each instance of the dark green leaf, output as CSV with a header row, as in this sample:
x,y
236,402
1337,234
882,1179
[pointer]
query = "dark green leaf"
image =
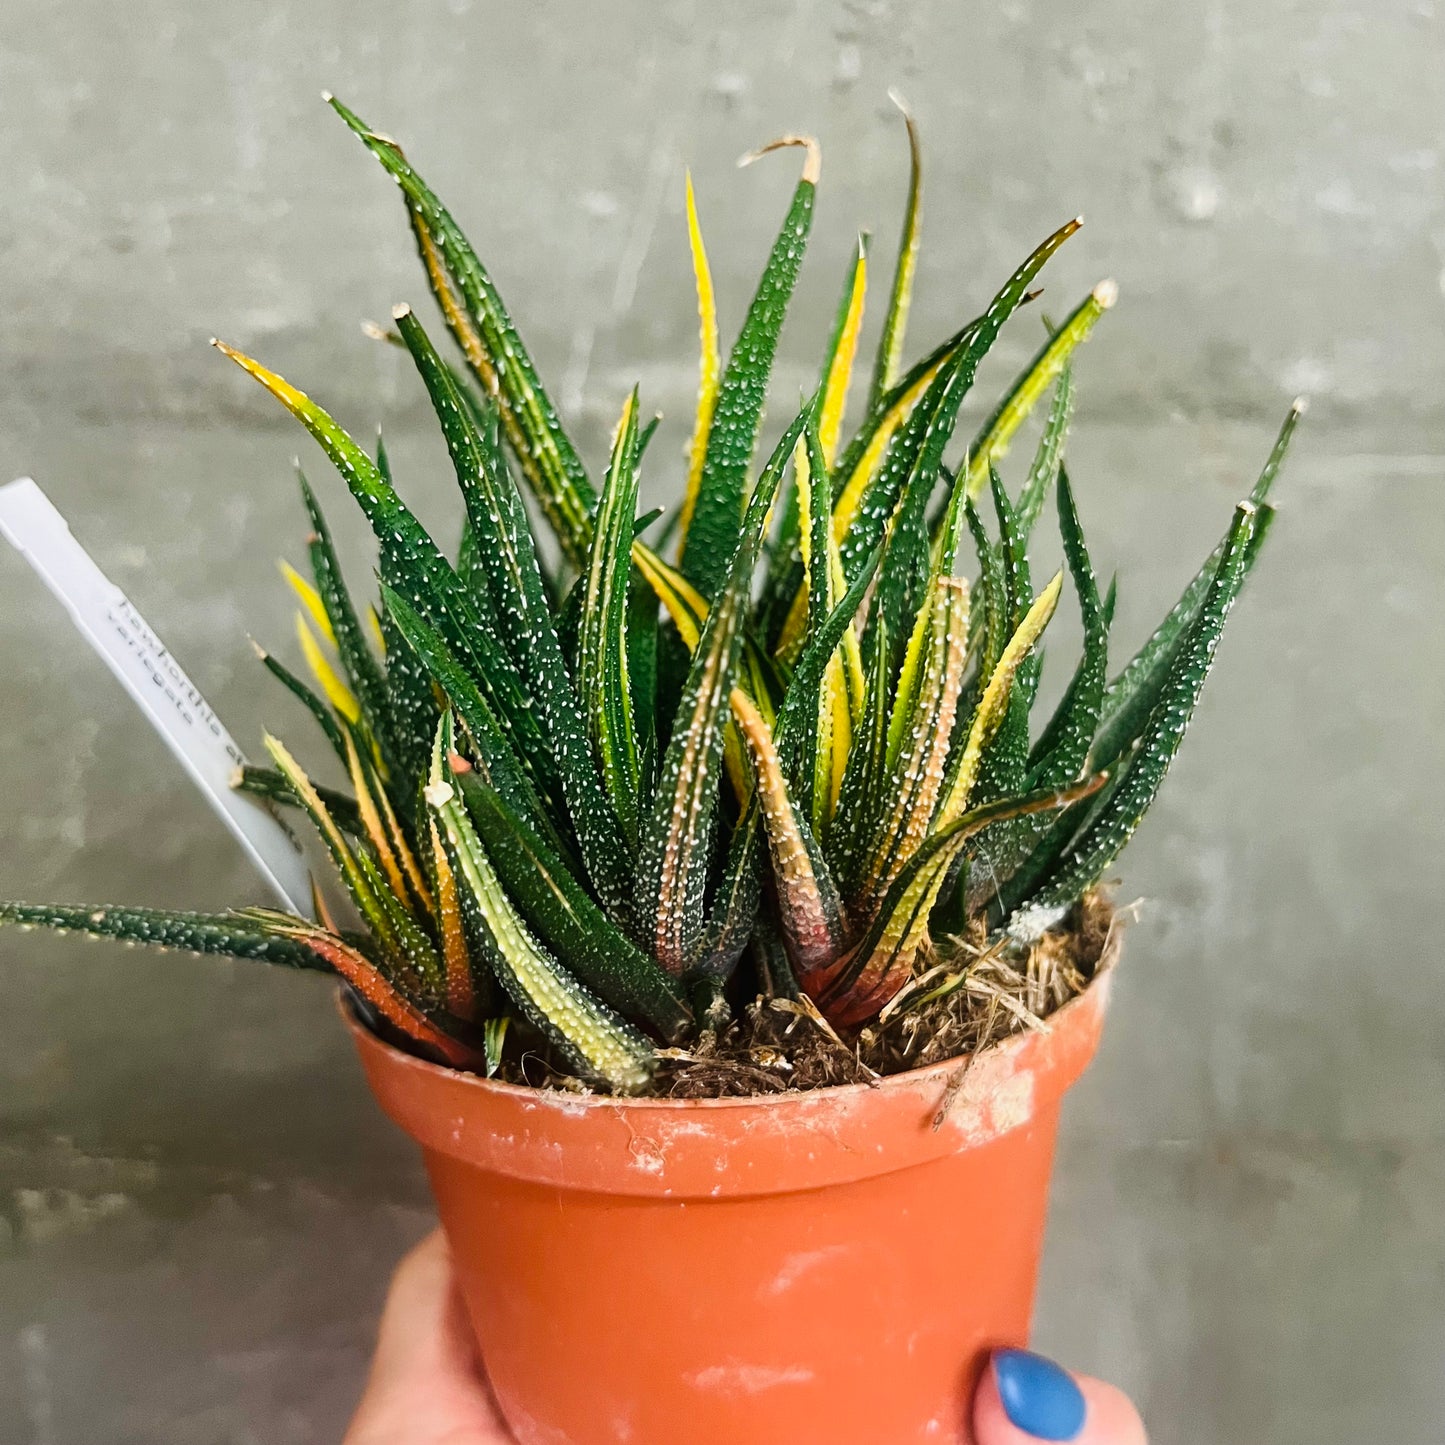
x,y
362,670
737,418
1084,864
223,934
267,783
492,348
602,655
677,841
567,920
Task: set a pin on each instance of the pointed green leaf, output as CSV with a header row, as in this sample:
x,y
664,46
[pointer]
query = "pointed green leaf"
x,y
890,342
594,1040
677,841
547,703
824,741
1063,748
492,752
916,770
1130,697
909,458
732,915
742,393
478,319
860,800
325,718
842,348
1049,454
602,657
1004,764
863,981
1010,896
808,904
363,671
566,919
507,565
1004,421
1059,756
993,704
1084,864
368,979
269,784
412,695
642,629
709,366
993,616
226,935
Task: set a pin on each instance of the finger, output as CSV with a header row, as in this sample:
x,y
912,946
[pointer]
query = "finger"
x,y
1024,1398
426,1381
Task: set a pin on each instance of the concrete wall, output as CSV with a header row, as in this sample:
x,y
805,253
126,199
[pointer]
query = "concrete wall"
x,y
198,1204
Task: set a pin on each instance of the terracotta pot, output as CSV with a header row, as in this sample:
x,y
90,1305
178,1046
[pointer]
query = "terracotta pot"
x,y
796,1269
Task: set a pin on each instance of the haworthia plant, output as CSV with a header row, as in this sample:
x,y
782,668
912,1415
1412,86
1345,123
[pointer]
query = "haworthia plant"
x,y
594,804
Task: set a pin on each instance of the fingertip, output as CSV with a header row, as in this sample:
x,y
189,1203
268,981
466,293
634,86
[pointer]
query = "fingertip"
x,y
1109,1417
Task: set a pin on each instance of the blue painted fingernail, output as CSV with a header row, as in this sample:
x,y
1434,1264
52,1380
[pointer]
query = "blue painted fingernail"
x,y
1039,1398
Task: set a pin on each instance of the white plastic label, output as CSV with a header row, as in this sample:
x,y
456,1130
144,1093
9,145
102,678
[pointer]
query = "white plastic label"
x,y
106,617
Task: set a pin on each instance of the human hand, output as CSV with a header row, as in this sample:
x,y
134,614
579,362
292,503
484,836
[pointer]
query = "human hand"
x,y
427,1386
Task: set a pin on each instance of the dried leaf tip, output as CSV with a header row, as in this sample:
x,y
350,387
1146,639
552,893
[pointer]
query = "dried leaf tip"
x,y
1300,405
438,794
400,311
375,331
261,653
812,166
327,96
902,104
1106,293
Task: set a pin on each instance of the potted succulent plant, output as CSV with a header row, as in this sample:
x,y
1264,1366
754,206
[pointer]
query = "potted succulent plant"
x,y
718,917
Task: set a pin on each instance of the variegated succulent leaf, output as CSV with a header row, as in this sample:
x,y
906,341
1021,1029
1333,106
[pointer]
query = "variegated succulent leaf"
x,y
742,392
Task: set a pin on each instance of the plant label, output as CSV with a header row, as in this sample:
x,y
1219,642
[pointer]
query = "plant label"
x,y
144,666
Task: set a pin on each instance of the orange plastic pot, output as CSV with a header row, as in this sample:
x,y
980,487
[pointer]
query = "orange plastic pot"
x,y
816,1268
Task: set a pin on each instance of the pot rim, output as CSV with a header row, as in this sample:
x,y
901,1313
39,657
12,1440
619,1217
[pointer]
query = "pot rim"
x,y
705,1149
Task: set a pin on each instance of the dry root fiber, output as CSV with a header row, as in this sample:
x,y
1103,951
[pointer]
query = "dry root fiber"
x,y
973,992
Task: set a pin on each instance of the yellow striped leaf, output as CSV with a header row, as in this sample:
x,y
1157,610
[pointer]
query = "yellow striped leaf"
x,y
327,678
709,365
811,913
998,431
310,599
993,704
840,364
890,343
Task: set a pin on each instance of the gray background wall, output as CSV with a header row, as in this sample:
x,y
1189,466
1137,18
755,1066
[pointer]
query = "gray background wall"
x,y
198,1204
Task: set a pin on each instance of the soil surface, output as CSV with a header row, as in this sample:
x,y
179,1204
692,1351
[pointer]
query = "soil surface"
x,y
971,992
